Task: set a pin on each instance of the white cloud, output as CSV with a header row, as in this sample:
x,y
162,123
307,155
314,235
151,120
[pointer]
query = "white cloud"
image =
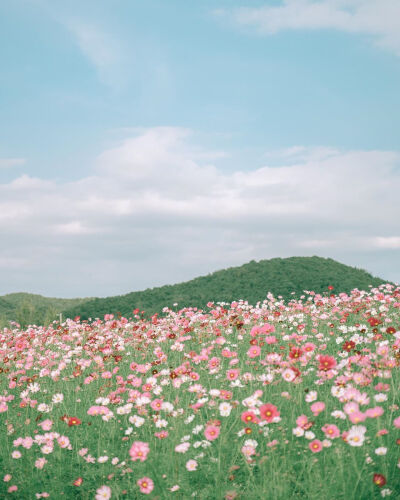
x,y
378,19
392,242
101,49
11,162
156,211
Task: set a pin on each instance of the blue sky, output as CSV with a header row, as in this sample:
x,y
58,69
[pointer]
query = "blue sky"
x,y
254,108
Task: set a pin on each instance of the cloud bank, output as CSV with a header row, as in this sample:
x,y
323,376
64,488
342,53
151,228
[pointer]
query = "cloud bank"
x,y
379,20
157,209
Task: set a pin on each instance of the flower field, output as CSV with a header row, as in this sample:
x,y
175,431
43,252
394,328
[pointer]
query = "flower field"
x,y
275,400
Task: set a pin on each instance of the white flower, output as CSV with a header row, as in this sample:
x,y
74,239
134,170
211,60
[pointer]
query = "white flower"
x,y
311,396
337,392
182,448
380,397
136,420
381,451
309,435
386,492
102,460
225,409
185,438
115,460
58,398
128,431
167,406
338,414
35,387
356,435
189,419
298,431
251,442
43,408
197,429
161,423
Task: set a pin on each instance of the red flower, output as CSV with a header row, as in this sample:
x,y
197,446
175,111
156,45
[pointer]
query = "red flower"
x,y
373,321
78,481
349,345
295,353
326,363
268,412
73,421
379,480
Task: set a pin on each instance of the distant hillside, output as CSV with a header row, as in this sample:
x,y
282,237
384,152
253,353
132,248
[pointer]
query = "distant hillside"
x,y
250,282
28,308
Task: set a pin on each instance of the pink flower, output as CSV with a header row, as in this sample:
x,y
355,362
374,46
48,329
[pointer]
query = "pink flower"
x,y
331,431
146,485
139,451
156,404
27,442
7,478
396,422
12,488
268,412
248,451
254,351
249,416
357,417
63,441
374,412
46,424
315,446
302,421
232,374
211,432
326,362
317,407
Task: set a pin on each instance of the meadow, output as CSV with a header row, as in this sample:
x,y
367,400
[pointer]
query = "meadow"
x,y
278,400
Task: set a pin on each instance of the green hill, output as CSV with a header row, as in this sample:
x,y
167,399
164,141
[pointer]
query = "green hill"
x,y
28,308
250,282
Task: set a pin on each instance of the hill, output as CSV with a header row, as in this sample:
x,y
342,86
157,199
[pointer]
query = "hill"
x,y
29,308
250,282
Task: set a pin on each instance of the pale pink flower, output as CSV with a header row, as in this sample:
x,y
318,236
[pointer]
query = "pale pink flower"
x,y
103,493
40,463
191,465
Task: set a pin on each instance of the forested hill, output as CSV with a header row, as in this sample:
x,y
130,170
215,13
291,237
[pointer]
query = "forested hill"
x,y
29,308
250,282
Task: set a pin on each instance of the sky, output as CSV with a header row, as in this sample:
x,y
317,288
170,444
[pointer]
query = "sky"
x,y
148,143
